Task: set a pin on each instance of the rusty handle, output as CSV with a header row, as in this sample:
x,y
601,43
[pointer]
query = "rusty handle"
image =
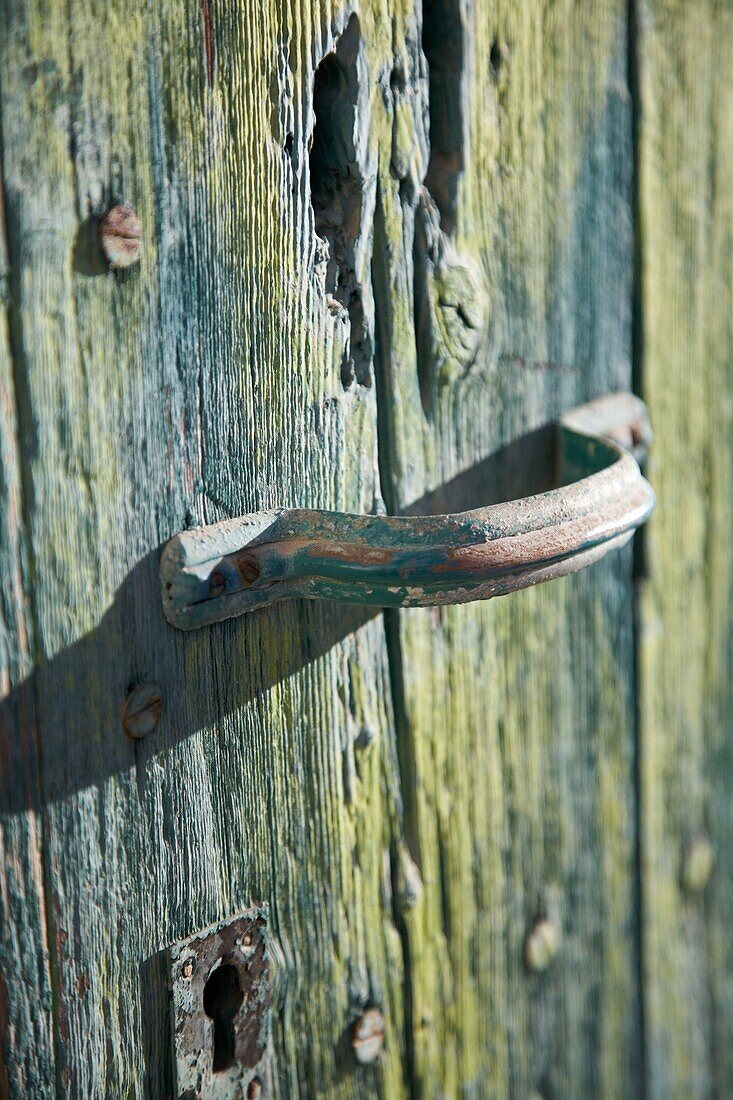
x,y
217,572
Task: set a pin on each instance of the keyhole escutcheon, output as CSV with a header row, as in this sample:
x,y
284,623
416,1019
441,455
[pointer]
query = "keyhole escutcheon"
x,y
223,998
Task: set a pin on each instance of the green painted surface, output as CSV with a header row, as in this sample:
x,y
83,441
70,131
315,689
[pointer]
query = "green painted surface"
x,y
407,792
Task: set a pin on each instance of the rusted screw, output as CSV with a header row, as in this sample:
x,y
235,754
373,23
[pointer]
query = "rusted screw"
x,y
142,710
249,568
187,969
697,865
254,1089
542,944
119,236
367,1036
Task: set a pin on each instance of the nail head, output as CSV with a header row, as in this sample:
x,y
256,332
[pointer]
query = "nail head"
x,y
697,865
542,944
249,568
142,710
367,1036
119,236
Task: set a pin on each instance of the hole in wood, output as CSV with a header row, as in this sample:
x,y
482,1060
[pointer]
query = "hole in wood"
x,y
442,41
223,998
336,192
496,56
397,81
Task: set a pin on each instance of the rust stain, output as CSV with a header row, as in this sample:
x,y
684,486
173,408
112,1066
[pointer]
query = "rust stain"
x,y
63,1025
208,40
248,568
63,1021
351,552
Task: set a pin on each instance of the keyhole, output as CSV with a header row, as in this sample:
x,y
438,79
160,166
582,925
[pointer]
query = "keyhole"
x,y
223,997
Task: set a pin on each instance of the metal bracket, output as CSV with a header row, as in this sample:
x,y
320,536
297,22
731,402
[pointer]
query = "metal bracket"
x,y
221,998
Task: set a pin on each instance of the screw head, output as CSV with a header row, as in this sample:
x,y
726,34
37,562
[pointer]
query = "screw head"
x,y
187,969
697,865
249,568
542,944
142,710
119,236
367,1036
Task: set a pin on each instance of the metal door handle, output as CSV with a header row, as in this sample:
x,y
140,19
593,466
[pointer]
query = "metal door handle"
x,y
217,572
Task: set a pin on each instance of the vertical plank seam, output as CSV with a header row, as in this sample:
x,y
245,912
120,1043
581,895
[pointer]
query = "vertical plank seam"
x,y
384,399
639,567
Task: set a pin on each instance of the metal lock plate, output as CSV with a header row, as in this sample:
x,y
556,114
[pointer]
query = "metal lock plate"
x,y
221,993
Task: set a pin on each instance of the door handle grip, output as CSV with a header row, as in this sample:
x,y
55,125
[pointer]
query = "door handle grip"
x,y
217,572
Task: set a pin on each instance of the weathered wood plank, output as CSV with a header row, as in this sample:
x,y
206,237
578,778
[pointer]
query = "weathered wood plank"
x,y
238,368
685,54
515,719
205,382
26,1044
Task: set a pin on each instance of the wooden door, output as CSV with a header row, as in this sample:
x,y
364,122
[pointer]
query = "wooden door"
x,y
379,244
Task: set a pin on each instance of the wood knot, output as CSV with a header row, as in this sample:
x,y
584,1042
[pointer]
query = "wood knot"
x,y
451,308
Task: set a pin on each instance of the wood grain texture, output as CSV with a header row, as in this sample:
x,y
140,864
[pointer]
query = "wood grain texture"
x,y
516,718
26,1044
205,382
684,56
347,310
